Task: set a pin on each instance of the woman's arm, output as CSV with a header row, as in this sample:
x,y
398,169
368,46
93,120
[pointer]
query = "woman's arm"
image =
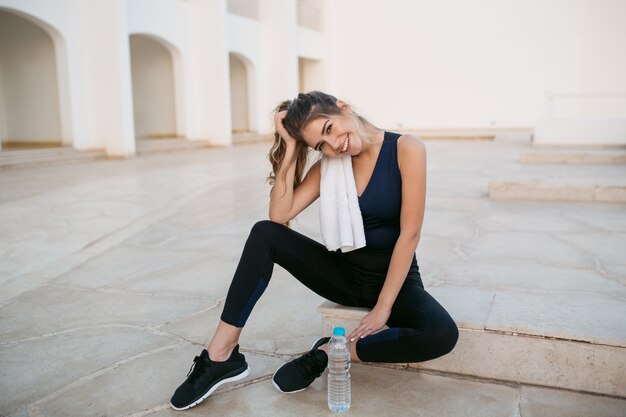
x,y
412,163
287,202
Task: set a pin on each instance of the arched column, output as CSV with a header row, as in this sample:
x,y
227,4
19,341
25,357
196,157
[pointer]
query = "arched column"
x,y
311,76
278,56
242,94
34,108
238,95
93,70
208,115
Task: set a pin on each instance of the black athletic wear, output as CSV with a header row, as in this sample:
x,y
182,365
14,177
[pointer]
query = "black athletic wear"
x,y
419,327
381,200
206,376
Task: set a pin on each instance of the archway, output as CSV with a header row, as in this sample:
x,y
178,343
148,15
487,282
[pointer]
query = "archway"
x,y
241,94
154,89
30,110
310,75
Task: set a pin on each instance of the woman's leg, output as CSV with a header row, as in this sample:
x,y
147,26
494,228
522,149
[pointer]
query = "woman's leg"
x,y
269,243
420,329
224,340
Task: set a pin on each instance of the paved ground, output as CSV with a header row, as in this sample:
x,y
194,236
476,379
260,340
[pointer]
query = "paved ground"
x,y
112,275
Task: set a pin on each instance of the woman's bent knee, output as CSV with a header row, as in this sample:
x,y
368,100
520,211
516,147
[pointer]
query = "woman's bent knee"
x,y
265,228
435,342
448,338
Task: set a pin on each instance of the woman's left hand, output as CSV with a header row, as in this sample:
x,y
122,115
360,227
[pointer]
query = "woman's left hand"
x,y
373,322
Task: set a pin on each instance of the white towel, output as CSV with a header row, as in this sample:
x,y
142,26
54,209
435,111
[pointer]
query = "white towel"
x,y
340,215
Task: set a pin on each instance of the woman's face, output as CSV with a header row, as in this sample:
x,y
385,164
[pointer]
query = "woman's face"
x,y
334,136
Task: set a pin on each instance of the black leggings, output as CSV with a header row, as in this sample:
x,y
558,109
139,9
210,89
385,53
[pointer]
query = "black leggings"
x,y
419,327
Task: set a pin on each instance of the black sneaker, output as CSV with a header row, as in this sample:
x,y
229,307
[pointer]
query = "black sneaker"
x,y
205,376
298,374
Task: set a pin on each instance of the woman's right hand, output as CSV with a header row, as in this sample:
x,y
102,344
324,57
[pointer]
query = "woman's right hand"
x,y
280,129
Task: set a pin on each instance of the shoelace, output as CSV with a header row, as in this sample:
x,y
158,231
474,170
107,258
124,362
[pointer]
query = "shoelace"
x,y
310,365
196,369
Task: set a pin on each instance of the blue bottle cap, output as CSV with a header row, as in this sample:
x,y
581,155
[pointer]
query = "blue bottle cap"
x,y
339,331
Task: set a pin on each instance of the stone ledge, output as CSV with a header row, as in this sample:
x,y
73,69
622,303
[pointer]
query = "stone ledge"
x,y
539,190
512,357
591,158
41,157
248,138
488,133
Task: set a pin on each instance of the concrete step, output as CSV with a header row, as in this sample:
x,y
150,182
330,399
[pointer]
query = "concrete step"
x,y
588,157
499,354
65,154
482,134
148,146
554,191
47,156
251,137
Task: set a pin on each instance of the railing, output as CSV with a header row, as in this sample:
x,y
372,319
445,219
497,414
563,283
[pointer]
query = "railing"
x,y
596,105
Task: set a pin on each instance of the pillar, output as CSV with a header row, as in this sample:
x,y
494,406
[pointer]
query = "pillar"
x,y
208,86
278,57
107,110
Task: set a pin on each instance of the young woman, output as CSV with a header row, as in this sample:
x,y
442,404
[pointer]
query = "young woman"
x,y
390,176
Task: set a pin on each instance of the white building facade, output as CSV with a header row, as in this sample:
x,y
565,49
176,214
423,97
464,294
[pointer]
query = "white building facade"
x,y
98,74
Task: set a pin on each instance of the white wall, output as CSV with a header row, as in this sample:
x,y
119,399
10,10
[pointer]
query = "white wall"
x,y
3,124
206,73
153,88
278,57
106,57
449,63
601,45
243,37
310,43
166,19
593,111
29,102
309,14
404,63
246,8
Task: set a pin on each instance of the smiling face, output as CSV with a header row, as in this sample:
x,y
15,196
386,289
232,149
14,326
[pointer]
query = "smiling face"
x,y
334,136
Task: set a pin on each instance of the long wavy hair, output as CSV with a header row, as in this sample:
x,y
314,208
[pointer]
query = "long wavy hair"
x,y
305,108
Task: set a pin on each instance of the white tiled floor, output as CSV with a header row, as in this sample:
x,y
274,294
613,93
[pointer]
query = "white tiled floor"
x,y
112,273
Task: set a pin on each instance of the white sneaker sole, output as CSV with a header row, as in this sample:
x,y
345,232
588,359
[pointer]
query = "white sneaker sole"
x,y
216,386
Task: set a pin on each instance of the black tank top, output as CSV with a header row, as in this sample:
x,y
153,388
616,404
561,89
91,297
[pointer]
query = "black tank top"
x,y
381,200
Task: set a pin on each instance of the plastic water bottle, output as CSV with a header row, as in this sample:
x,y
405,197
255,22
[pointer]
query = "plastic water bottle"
x,y
339,395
